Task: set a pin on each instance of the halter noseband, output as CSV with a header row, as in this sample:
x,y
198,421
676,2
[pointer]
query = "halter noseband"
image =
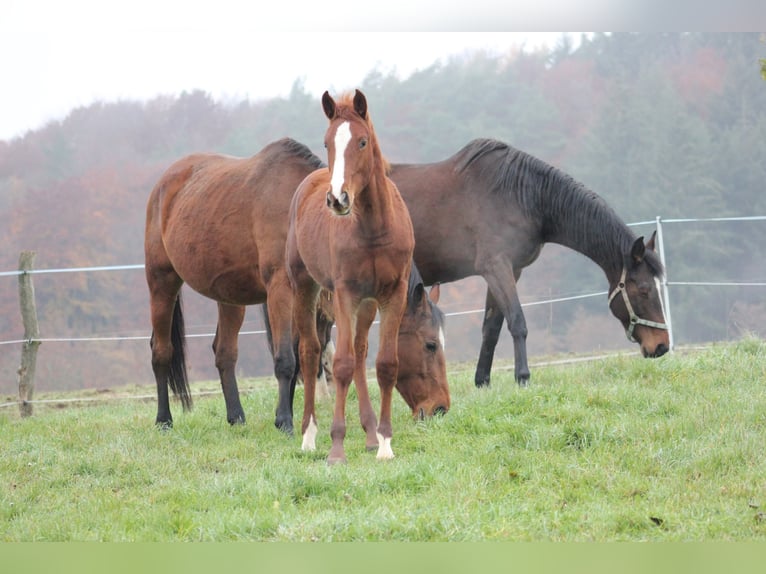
x,y
633,318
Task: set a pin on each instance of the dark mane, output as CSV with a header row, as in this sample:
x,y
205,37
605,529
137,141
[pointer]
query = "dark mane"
x,y
570,213
415,280
300,151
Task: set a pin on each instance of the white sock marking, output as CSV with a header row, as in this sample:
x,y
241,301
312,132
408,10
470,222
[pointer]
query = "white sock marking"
x,y
384,448
310,436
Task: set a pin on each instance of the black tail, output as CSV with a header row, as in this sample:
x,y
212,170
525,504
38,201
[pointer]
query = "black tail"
x,y
177,378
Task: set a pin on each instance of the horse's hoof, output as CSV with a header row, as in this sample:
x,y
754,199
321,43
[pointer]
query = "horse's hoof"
x,y
332,460
285,427
523,383
238,420
482,383
164,425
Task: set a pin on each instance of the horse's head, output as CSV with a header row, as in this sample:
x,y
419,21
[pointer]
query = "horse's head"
x,y
422,376
351,145
635,299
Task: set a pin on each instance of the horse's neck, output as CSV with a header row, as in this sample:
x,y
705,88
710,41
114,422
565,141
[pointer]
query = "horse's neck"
x,y
376,204
604,244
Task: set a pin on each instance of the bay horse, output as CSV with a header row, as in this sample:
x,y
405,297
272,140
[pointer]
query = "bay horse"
x,y
219,223
422,376
350,233
488,209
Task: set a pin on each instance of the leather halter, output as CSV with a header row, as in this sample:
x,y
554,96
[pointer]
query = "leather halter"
x,y
633,318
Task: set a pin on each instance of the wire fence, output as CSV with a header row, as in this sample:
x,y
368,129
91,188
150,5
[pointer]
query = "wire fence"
x,y
665,284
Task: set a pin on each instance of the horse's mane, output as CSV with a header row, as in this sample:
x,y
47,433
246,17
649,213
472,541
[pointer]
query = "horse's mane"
x,y
567,209
301,151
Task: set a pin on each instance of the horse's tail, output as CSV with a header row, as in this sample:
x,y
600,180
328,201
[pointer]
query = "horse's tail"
x,y
177,378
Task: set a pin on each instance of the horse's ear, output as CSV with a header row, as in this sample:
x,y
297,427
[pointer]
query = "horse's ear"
x,y
650,244
637,251
434,293
328,104
417,298
360,104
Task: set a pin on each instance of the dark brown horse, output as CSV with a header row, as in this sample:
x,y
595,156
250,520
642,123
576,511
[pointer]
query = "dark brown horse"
x,y
219,224
350,233
488,210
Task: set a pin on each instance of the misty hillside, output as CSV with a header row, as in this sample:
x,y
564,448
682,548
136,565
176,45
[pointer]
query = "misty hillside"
x,y
657,124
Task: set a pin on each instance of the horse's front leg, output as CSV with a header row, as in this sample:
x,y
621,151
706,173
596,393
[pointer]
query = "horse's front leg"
x,y
230,318
345,307
490,333
280,312
387,365
364,318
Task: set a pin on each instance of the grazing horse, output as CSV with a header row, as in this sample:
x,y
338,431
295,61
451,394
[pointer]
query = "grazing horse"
x,y
488,209
422,377
350,233
219,224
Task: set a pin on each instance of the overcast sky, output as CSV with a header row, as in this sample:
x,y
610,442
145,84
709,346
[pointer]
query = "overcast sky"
x,y
73,56
56,55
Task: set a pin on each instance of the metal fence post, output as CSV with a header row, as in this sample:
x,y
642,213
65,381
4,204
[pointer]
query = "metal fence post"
x,y
665,295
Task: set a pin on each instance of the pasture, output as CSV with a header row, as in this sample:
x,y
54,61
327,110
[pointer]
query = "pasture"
x,y
622,449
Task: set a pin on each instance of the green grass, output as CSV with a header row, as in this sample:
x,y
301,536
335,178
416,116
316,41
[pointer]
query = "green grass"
x,y
619,449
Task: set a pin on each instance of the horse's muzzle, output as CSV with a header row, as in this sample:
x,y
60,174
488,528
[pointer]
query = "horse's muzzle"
x,y
421,413
659,350
340,206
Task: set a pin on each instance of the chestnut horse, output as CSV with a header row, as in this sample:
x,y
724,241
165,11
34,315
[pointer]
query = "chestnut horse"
x,y
488,209
350,233
219,224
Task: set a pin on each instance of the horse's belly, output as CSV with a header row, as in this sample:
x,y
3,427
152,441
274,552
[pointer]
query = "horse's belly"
x,y
225,275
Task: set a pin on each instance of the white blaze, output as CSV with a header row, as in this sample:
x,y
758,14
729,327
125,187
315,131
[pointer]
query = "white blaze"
x,y
342,137
441,337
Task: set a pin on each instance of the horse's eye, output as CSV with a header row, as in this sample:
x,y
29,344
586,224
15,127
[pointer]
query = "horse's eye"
x,y
362,143
431,347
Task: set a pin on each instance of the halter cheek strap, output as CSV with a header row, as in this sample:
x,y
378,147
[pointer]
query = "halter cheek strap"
x,y
633,318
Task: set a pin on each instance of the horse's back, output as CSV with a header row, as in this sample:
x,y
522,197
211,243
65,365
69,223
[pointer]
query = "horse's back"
x,y
222,220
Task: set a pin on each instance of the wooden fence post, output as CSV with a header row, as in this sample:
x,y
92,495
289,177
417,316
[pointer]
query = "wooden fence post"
x,y
31,333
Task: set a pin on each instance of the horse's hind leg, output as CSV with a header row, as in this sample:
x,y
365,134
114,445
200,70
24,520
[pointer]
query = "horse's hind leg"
x,y
304,320
490,333
164,287
502,281
230,318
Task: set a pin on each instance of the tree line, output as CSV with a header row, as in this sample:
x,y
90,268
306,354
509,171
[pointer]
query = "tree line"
x,y
670,124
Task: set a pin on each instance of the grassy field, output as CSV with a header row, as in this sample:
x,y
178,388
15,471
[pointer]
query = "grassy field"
x,y
618,449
